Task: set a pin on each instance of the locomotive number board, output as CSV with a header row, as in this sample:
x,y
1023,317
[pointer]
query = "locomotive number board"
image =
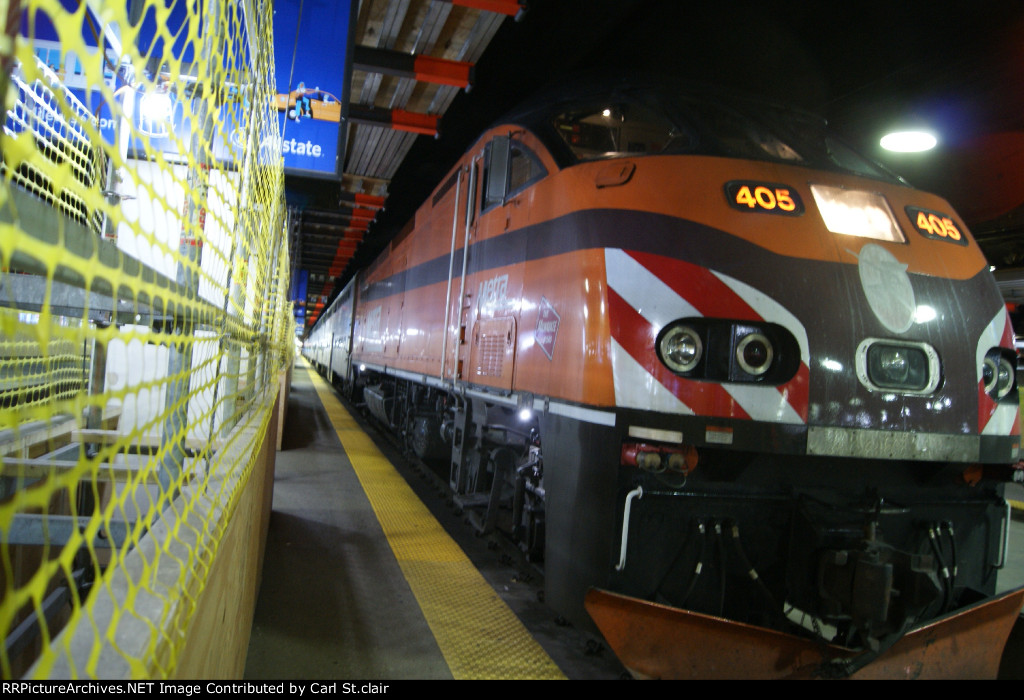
x,y
764,197
933,224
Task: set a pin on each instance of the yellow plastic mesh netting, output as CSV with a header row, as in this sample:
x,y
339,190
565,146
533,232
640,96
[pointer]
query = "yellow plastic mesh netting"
x,y
143,317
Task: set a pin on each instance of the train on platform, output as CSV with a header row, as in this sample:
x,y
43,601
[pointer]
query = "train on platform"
x,y
726,378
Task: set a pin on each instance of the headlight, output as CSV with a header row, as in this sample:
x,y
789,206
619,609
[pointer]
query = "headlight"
x,y
856,213
726,350
754,353
1004,378
911,368
997,374
989,372
894,363
680,349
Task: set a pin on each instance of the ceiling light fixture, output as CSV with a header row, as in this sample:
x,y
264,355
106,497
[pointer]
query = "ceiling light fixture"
x,y
156,106
909,141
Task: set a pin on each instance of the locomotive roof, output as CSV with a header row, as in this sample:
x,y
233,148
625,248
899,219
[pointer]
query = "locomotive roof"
x,y
679,98
588,86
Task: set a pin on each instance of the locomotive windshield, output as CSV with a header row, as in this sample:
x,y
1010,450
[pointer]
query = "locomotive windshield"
x,y
641,123
622,129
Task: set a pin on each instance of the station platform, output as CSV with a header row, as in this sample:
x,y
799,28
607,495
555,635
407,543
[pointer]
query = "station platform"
x,y
371,574
361,579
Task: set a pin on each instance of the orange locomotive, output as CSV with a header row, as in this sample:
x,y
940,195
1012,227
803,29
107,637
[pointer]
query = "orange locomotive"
x,y
714,368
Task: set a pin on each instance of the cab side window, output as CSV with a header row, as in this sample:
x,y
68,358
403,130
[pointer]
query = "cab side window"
x,y
510,168
525,168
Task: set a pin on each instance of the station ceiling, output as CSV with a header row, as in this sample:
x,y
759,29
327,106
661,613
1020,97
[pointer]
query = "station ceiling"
x,y
955,67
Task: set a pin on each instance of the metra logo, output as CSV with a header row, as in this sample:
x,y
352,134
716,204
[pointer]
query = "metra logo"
x,y
492,293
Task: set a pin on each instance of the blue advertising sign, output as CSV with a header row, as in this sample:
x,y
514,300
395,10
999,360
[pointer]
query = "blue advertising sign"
x,y
170,130
310,49
299,283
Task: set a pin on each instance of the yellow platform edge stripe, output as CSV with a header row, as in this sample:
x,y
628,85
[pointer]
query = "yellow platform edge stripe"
x,y
478,634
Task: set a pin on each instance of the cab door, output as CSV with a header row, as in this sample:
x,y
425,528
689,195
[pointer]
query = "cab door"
x,y
507,170
464,229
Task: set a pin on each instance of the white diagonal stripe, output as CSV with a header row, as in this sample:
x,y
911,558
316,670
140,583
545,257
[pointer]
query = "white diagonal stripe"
x,y
764,403
641,289
635,387
1002,422
659,305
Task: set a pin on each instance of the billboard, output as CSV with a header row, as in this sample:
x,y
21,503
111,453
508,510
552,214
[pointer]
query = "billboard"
x,y
311,40
169,132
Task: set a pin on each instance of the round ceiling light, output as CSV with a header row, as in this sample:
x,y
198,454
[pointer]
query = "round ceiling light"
x,y
909,141
156,106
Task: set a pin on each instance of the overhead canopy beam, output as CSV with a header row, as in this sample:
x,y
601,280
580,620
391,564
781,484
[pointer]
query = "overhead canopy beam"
x,y
342,247
398,119
348,235
512,8
425,69
358,199
324,218
350,223
353,216
323,253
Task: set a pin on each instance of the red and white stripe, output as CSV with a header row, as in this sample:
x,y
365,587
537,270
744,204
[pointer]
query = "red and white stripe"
x,y
646,292
995,418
